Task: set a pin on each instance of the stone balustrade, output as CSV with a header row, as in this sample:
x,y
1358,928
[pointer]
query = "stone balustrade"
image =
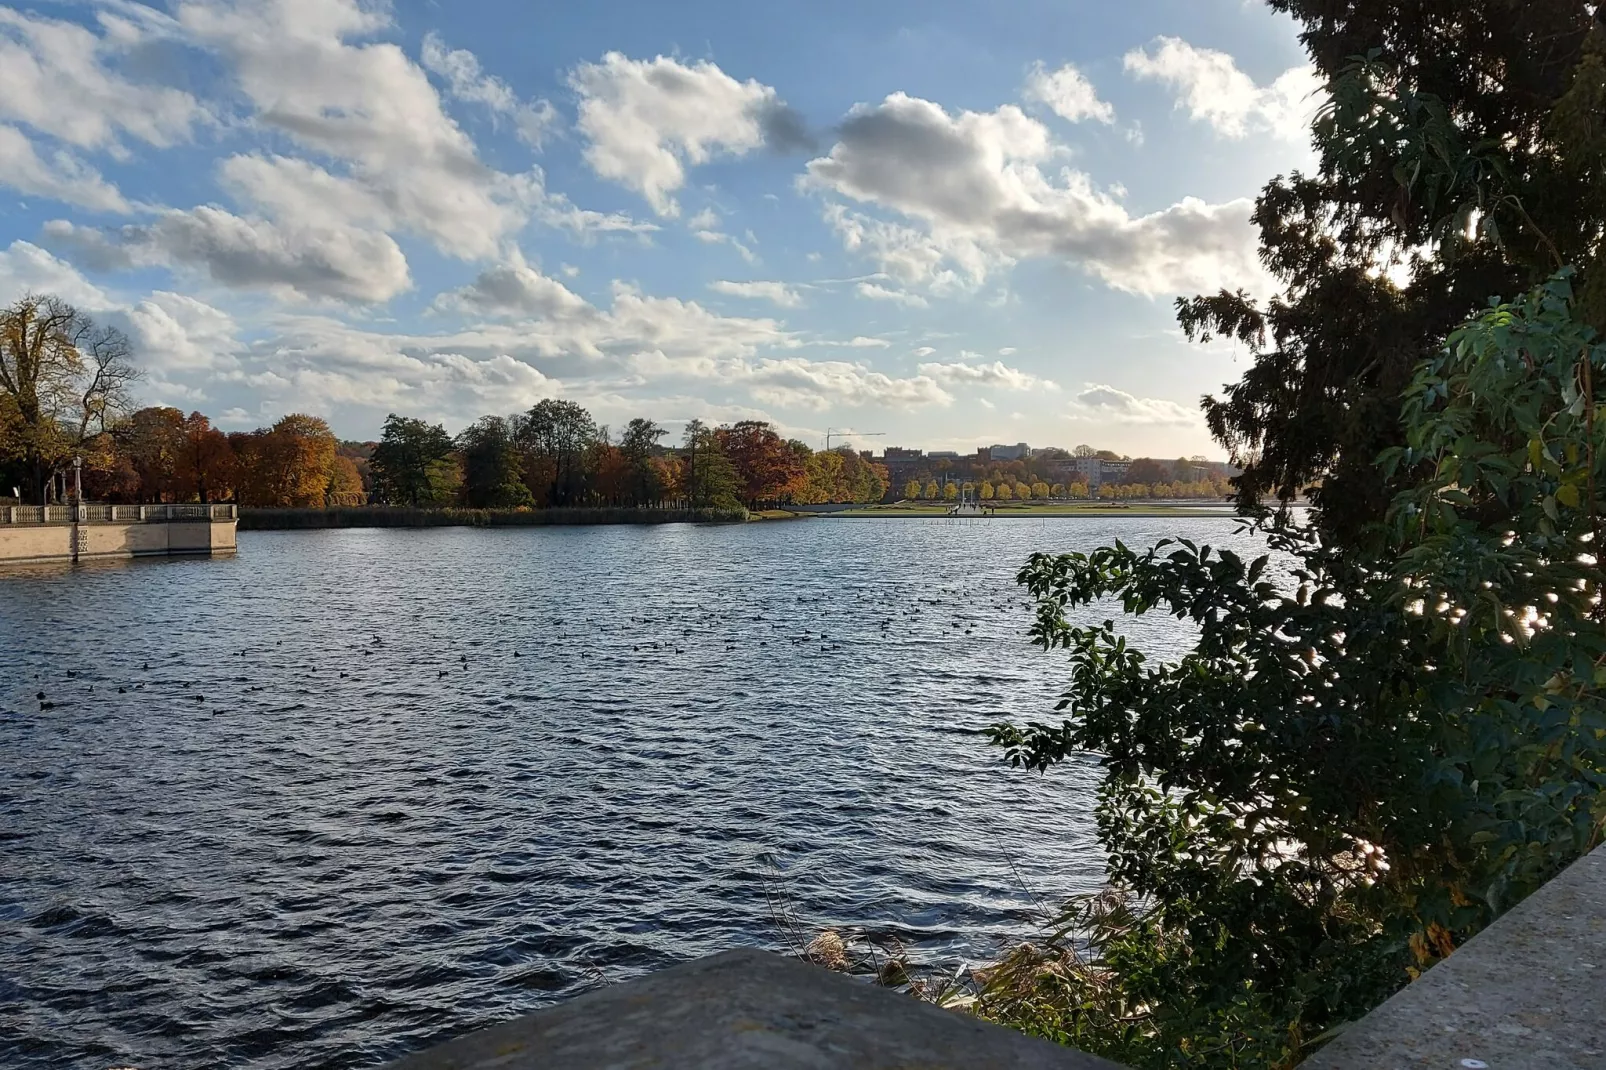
x,y
115,514
40,534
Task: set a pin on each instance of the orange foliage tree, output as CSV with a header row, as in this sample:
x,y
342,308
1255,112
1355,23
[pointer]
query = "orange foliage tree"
x,y
290,465
767,468
205,465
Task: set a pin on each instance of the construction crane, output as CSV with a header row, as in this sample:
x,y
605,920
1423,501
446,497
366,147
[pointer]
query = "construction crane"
x,y
831,432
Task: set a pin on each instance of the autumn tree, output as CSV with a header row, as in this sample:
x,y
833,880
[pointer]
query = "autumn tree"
x,y
290,465
408,462
710,478
63,379
361,456
911,490
153,442
669,477
640,446
206,463
345,483
767,468
610,474
555,438
492,466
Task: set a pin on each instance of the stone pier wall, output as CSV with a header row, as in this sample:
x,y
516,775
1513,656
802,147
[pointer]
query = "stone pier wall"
x,y
36,535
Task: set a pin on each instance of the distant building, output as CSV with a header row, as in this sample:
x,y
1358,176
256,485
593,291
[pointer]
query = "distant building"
x,y
1095,471
898,453
943,455
1085,470
1018,452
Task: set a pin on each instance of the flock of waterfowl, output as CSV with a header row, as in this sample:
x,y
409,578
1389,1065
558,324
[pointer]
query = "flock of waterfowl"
x,y
879,615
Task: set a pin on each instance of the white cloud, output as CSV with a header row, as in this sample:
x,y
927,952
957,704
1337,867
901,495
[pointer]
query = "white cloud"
x,y
388,157
175,333
515,289
57,77
798,383
645,121
719,237
26,268
777,293
877,292
1213,89
707,219
1068,93
997,374
316,363
287,187
321,262
466,82
924,351
1100,402
643,345
365,105
975,184
61,178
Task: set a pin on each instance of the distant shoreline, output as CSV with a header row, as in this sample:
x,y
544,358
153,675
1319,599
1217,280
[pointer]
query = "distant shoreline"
x,y
1031,512
404,517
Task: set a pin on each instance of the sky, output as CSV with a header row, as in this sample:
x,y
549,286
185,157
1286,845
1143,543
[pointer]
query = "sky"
x,y
952,224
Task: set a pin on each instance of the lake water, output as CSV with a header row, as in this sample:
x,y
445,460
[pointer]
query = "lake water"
x,y
355,791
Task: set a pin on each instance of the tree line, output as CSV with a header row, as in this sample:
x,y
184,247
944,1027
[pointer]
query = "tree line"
x,y
64,395
1004,489
1040,476
556,455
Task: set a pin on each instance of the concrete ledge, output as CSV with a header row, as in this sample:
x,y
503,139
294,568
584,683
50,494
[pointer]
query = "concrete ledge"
x,y
747,1009
1527,993
29,544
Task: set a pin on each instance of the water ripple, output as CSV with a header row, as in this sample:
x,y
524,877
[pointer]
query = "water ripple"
x,y
356,791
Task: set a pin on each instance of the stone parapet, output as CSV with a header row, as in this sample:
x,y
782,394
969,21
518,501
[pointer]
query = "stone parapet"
x,y
747,1010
